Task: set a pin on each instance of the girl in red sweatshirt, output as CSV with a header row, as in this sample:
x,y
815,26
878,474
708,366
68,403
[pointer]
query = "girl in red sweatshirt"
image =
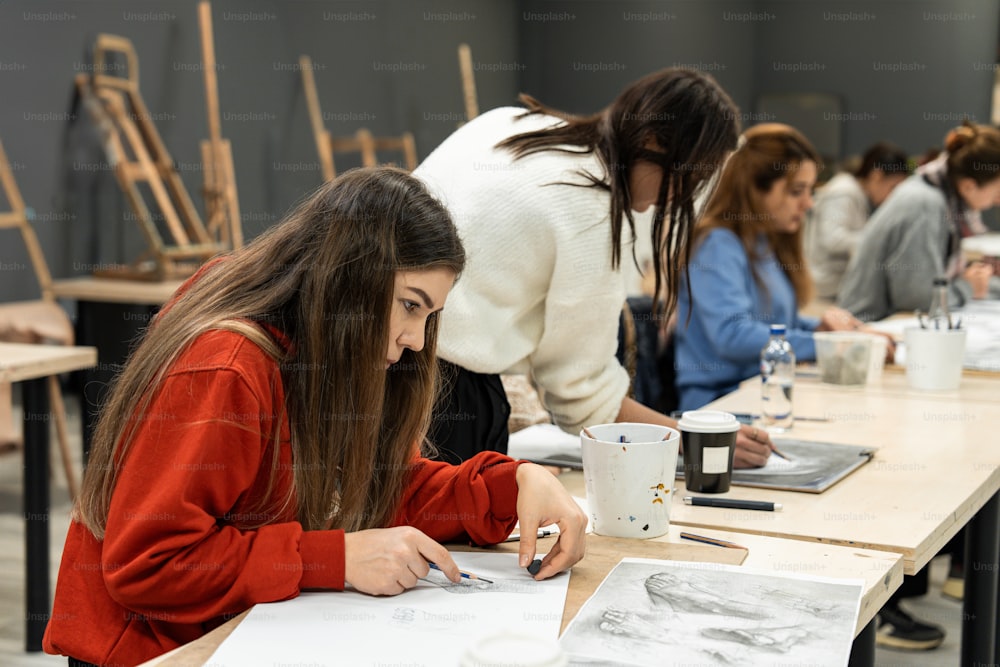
x,y
266,436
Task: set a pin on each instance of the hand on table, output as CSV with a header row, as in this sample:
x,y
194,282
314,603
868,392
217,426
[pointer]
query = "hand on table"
x,y
543,500
838,319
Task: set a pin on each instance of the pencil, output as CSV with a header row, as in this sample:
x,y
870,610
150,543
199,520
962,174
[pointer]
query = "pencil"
x,y
465,575
779,452
711,540
516,537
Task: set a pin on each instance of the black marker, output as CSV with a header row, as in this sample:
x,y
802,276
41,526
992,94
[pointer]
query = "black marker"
x,y
732,503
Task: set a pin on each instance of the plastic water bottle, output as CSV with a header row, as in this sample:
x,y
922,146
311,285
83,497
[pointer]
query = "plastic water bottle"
x,y
777,374
938,315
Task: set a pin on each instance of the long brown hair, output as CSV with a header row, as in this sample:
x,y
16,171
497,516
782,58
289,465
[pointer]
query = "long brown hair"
x,y
323,277
768,153
693,124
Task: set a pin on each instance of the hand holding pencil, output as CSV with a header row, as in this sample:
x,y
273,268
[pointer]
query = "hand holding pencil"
x,y
753,447
387,561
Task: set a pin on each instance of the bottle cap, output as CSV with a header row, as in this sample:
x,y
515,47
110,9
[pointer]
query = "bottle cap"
x,y
708,421
778,329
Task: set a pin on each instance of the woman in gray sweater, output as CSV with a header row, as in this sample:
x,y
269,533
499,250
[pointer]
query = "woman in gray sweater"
x,y
915,236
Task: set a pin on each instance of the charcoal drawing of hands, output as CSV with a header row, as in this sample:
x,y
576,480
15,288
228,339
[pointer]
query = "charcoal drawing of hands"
x,y
774,640
686,596
629,624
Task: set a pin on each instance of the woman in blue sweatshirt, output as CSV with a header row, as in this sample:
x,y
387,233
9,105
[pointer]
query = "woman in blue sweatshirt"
x,y
748,268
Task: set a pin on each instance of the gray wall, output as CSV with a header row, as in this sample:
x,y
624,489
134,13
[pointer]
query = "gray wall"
x,y
390,65
906,72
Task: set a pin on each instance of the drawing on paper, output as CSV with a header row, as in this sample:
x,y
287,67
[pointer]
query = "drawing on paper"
x,y
646,609
469,587
814,466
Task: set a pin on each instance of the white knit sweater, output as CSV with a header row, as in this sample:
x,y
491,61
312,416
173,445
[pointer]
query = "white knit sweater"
x,y
538,293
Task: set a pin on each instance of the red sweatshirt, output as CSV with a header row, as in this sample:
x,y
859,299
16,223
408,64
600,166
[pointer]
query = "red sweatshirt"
x,y
179,556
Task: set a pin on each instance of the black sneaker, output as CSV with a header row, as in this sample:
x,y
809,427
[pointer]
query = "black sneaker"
x,y
899,630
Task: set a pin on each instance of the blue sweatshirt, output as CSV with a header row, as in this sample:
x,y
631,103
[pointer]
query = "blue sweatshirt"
x,y
731,318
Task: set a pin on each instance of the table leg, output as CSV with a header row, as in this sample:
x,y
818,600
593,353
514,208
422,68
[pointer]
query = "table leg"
x,y
982,581
36,510
863,648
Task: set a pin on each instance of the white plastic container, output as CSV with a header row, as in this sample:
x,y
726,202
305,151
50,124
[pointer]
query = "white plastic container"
x,y
844,357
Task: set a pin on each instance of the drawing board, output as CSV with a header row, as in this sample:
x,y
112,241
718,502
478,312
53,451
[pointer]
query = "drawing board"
x,y
657,612
813,467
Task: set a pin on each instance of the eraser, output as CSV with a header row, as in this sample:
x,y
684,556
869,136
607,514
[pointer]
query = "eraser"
x,y
535,566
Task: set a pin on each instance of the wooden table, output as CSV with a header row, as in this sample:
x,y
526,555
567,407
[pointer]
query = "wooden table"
x,y
111,314
881,572
937,469
31,365
113,290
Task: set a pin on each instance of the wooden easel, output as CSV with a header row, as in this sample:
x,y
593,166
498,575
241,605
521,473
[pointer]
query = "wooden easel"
x,y
137,154
468,82
363,143
39,321
222,207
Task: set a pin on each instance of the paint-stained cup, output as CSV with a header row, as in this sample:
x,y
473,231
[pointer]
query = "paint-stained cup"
x,y
628,470
709,444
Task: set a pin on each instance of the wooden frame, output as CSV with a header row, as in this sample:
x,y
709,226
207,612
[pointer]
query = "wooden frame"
x,y
222,206
137,154
40,320
362,142
468,82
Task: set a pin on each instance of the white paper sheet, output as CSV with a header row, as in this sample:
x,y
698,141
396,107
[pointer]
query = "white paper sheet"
x,y
431,624
658,612
542,440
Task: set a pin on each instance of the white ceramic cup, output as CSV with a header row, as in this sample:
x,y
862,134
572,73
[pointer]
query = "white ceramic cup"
x,y
630,484
934,358
513,648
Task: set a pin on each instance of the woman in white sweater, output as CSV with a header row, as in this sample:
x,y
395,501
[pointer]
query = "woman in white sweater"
x,y
545,202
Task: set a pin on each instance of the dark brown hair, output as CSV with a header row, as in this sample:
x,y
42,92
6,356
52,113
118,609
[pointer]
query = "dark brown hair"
x,y
973,152
324,277
770,152
884,157
693,124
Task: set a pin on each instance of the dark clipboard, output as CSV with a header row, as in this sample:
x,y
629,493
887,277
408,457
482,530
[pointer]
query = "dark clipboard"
x,y
815,466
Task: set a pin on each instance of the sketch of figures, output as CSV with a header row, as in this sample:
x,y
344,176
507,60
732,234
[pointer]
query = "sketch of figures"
x,y
662,612
688,596
778,640
470,586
